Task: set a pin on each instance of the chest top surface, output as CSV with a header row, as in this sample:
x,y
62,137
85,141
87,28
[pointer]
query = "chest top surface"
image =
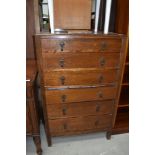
x,y
80,35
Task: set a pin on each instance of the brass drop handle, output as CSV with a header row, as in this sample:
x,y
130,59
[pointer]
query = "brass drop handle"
x,y
63,98
103,46
100,94
102,62
65,126
61,63
96,122
62,79
64,111
97,108
62,44
101,79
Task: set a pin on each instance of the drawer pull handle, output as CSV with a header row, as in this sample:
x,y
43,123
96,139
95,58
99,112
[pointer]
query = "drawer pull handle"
x,y
63,98
103,46
97,108
62,79
65,126
102,62
64,111
62,44
100,95
96,122
101,79
61,63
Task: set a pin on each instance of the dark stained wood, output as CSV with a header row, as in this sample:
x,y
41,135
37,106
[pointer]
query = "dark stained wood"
x,y
63,126
80,95
28,121
80,60
39,64
122,121
79,109
126,74
32,120
122,64
80,77
127,57
122,26
30,29
81,45
122,16
36,16
31,70
82,56
124,96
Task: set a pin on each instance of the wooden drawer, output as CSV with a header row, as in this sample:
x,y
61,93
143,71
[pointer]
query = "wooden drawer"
x,y
80,109
81,45
79,94
80,60
80,77
63,126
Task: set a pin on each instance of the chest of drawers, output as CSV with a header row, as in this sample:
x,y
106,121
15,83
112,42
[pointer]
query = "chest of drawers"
x,y
80,81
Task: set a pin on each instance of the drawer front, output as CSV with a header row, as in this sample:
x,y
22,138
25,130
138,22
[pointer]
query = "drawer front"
x,y
80,109
80,60
82,45
80,77
62,126
80,94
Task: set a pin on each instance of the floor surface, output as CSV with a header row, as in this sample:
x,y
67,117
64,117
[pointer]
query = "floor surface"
x,y
88,144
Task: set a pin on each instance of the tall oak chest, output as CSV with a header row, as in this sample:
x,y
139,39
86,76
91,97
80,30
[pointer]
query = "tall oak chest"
x,y
80,77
